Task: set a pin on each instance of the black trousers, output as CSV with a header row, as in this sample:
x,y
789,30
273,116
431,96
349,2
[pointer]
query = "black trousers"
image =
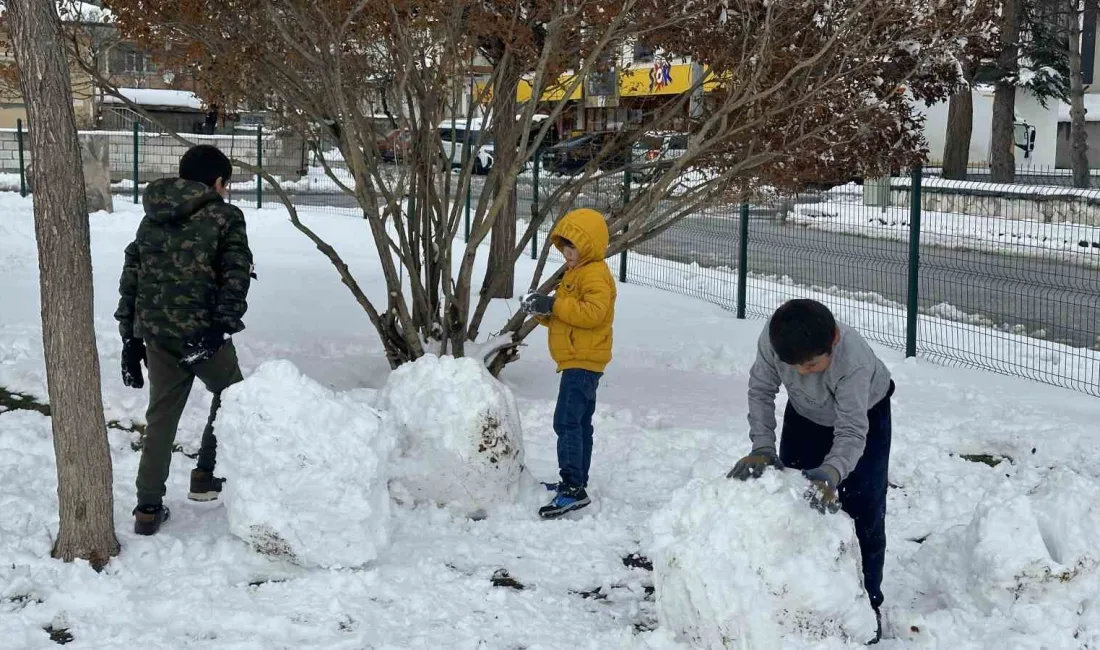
x,y
804,444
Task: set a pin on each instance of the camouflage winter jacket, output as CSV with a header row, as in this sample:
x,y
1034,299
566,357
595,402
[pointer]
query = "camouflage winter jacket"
x,y
188,269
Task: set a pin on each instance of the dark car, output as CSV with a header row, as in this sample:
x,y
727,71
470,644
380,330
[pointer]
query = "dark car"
x,y
573,155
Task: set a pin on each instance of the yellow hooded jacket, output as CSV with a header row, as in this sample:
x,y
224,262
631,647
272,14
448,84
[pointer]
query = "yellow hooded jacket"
x,y
584,304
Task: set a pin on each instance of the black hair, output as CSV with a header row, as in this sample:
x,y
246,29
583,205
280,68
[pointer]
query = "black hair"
x,y
205,164
800,330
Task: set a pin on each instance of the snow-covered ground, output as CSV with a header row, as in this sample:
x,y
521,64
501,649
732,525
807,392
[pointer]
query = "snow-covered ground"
x,y
1080,243
979,556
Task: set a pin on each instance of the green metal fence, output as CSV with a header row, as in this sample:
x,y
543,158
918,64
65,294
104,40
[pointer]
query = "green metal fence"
x,y
969,273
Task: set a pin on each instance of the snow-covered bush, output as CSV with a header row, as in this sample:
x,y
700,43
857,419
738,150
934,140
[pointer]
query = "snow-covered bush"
x,y
305,469
1017,546
751,565
458,432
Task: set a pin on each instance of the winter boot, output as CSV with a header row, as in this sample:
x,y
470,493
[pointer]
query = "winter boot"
x,y
147,519
568,499
878,635
204,486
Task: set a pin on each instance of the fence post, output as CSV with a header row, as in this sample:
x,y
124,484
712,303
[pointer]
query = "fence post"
x,y
626,199
137,192
22,167
535,208
259,166
743,262
914,264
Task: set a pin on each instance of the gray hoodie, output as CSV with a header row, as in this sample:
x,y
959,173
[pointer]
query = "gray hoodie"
x,y
839,397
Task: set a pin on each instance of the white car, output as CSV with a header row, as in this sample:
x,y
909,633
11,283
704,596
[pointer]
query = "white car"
x,y
458,134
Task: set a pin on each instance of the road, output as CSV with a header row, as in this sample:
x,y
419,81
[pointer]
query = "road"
x,y
1059,298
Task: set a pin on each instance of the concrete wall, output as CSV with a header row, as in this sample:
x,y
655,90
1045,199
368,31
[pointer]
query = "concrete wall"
x,y
1068,206
159,155
1028,109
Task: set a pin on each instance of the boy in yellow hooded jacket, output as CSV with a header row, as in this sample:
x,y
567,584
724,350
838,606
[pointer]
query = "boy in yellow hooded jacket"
x,y
579,317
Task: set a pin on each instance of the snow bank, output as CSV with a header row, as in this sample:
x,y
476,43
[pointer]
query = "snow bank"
x,y
752,565
1017,547
459,434
304,469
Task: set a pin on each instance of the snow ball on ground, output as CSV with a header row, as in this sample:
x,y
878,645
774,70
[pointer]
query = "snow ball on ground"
x,y
749,564
458,431
1019,546
304,468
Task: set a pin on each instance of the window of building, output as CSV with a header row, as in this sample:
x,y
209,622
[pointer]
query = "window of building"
x,y
131,62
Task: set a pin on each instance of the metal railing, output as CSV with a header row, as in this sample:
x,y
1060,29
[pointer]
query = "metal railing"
x,y
968,273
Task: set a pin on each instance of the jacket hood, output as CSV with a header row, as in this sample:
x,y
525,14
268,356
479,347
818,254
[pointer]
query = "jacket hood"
x,y
587,229
174,199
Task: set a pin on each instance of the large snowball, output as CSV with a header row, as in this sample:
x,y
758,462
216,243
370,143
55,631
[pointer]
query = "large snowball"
x,y
458,432
305,469
751,565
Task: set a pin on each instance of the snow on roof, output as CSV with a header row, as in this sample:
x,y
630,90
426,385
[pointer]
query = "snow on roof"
x,y
157,97
1092,109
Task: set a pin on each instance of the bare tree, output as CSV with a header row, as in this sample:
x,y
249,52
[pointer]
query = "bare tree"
x,y
960,129
796,93
1079,151
1003,140
84,475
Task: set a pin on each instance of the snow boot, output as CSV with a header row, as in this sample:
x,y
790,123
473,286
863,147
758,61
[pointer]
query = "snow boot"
x,y
147,519
878,634
204,486
568,499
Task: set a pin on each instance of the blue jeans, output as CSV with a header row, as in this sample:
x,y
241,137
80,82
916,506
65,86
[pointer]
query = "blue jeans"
x,y
804,445
573,424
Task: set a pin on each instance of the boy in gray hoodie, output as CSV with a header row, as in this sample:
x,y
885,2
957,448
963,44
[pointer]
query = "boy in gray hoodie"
x,y
836,426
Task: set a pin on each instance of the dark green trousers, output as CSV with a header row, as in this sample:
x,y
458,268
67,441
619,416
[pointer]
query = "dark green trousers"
x,y
169,387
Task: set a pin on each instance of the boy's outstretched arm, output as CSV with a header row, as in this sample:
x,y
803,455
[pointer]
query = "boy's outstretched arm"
x,y
764,385
591,308
850,429
234,274
127,291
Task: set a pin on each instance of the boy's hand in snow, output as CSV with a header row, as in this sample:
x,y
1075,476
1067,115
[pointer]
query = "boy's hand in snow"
x,y
753,465
822,493
537,304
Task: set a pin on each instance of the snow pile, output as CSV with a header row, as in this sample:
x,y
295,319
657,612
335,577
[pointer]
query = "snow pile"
x,y
458,432
304,469
1019,547
752,565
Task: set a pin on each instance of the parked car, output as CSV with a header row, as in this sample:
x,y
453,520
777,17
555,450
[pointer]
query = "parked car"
x,y
457,135
394,145
654,153
573,155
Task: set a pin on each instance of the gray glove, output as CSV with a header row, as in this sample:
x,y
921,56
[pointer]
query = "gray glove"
x,y
537,304
753,465
822,494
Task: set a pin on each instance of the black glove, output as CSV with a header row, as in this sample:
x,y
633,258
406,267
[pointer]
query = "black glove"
x,y
753,465
133,353
822,494
537,304
202,348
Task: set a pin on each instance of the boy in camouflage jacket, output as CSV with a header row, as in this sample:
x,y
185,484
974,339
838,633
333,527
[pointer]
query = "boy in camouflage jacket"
x,y
183,290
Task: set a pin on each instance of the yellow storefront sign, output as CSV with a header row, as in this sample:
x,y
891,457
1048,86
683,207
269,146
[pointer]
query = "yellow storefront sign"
x,y
552,93
655,80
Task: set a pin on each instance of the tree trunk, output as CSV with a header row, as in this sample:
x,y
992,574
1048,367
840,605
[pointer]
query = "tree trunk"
x,y
1003,144
1078,137
501,272
960,128
84,476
